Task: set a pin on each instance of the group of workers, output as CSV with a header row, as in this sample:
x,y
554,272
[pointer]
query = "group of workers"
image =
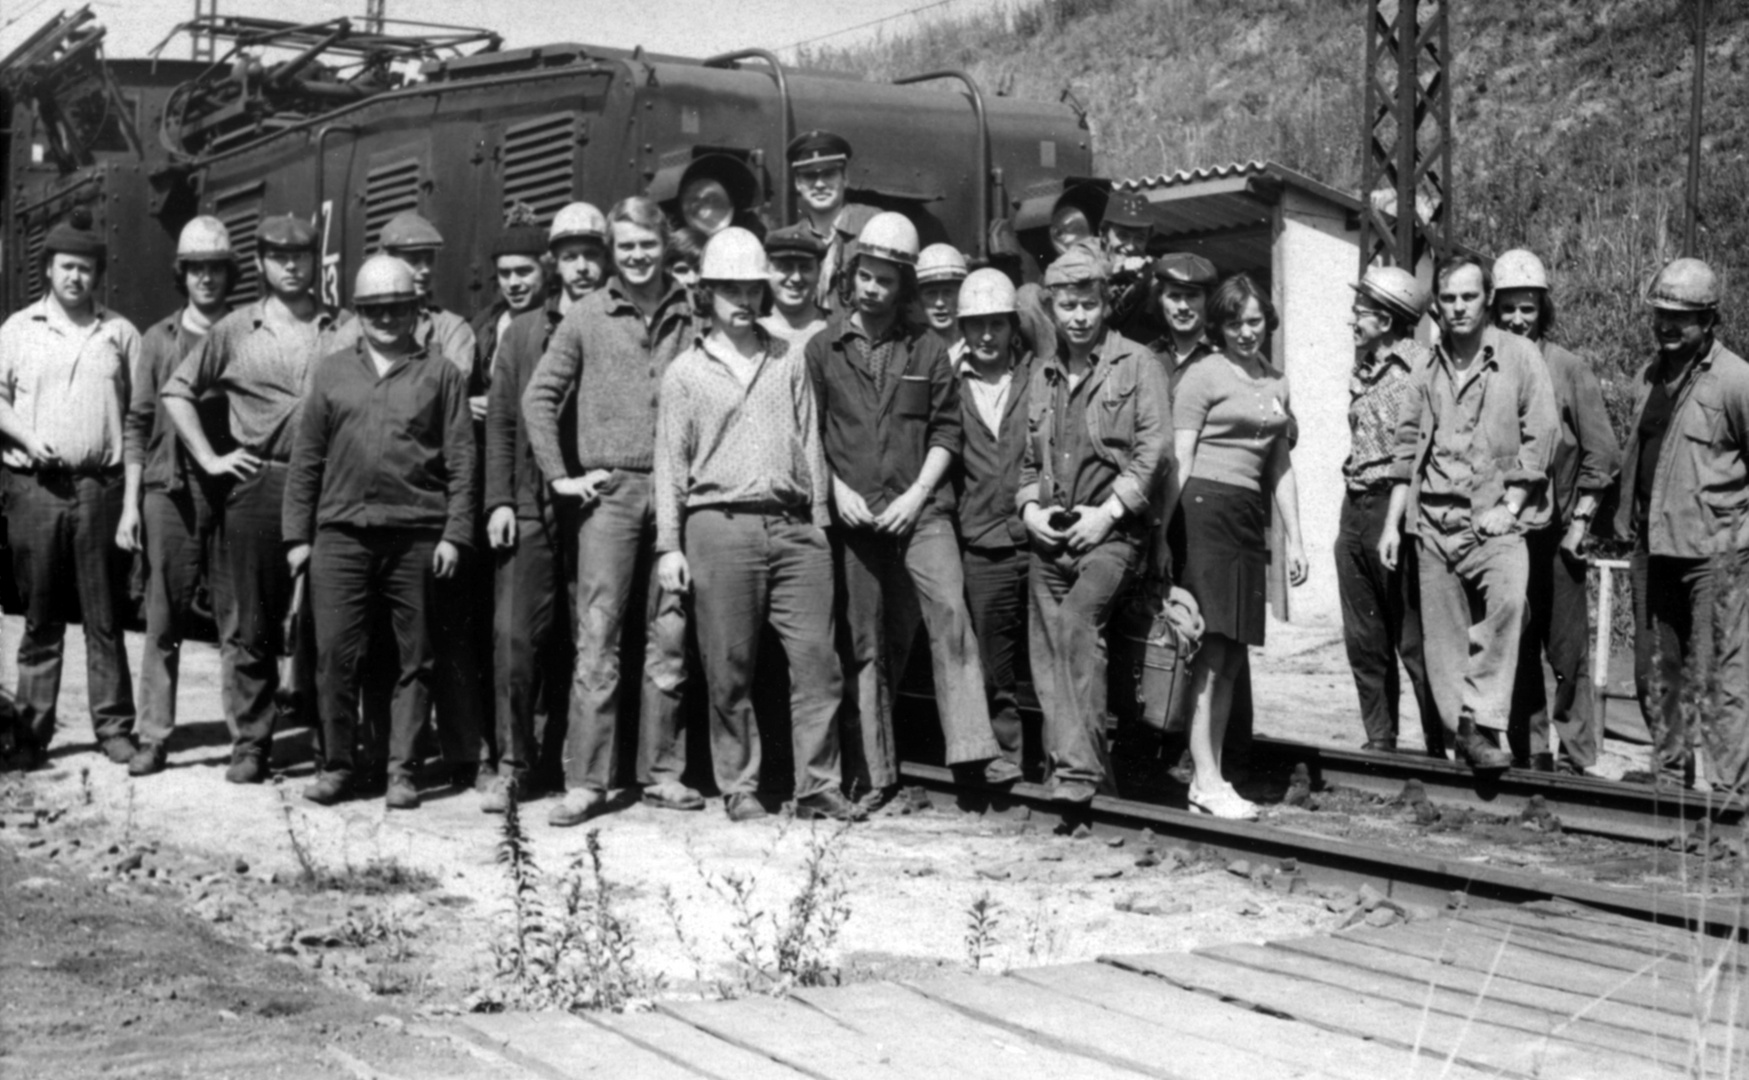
x,y
835,435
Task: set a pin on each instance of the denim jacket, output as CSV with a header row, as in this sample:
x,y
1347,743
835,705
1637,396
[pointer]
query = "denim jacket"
x,y
1129,419
1700,488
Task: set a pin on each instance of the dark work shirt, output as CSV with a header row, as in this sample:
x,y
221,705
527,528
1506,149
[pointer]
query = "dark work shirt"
x,y
392,451
990,462
513,478
1085,478
151,437
1654,423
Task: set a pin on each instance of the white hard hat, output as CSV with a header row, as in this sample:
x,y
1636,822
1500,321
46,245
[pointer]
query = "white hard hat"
x,y
1519,269
204,238
890,236
1685,285
578,219
986,292
734,255
1395,288
940,262
384,279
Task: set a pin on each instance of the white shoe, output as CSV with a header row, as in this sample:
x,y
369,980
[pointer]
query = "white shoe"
x,y
1223,802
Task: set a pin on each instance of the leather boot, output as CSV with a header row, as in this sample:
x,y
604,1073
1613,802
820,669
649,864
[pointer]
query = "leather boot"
x,y
1480,754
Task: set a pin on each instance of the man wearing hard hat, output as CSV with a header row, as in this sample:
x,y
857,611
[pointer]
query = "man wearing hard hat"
x,y
940,269
1381,606
66,369
995,369
408,236
741,496
259,357
890,412
379,503
532,534
1685,504
173,503
1581,473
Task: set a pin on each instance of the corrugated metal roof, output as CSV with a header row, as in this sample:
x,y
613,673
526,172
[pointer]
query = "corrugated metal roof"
x,y
1213,174
1191,176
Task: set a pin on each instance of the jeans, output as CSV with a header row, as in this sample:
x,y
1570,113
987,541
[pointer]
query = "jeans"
x,y
996,598
63,526
1558,624
749,569
1073,598
1472,617
891,584
1381,621
532,642
615,545
1691,618
180,529
256,590
355,574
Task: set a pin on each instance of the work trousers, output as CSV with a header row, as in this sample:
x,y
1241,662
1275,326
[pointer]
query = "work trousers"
x,y
461,616
615,548
255,593
1381,622
1691,619
180,528
1557,624
532,636
750,569
1472,617
1073,598
996,598
890,586
62,531
359,576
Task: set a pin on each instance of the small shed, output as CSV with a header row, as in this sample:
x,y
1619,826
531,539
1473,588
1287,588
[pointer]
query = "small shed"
x,y
1300,239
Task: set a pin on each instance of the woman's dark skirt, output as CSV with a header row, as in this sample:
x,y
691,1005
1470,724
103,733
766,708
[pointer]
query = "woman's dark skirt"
x,y
1220,549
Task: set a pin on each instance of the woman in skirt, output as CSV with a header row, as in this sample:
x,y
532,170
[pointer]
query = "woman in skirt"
x,y
1235,428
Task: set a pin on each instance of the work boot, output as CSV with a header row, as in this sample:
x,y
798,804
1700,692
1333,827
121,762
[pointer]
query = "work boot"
x,y
1000,772
498,797
119,749
402,795
246,768
328,789
578,806
826,803
1477,752
673,795
148,759
745,806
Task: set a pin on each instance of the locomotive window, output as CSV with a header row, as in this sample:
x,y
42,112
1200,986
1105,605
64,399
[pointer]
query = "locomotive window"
x,y
389,188
540,157
240,210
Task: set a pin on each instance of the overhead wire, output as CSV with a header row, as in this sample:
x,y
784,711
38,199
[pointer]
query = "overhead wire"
x,y
872,22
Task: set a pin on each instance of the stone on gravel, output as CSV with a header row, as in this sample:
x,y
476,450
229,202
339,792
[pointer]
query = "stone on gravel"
x,y
995,873
36,884
1114,842
1239,868
1382,916
393,1023
1108,873
1370,897
1050,856
1414,792
1133,904
1082,831
241,866
1147,860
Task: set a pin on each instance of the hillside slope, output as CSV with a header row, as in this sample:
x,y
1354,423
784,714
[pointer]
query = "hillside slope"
x,y
1571,120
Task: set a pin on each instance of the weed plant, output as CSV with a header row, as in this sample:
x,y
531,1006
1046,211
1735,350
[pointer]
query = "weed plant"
x,y
775,951
983,922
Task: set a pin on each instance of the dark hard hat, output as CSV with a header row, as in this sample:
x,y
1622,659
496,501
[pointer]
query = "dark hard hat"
x,y
526,240
410,231
817,148
1186,269
75,236
287,232
1128,208
794,240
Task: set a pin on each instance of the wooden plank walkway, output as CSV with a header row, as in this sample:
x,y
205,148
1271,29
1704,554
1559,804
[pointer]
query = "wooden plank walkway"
x,y
1540,991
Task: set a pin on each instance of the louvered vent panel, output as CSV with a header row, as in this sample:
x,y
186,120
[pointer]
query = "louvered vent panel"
x,y
241,213
539,163
34,238
388,190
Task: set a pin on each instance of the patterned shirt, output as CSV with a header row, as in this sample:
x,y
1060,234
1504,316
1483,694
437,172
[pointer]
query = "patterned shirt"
x,y
722,442
1382,381
69,384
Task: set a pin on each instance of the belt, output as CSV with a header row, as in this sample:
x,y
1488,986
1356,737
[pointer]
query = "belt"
x,y
57,473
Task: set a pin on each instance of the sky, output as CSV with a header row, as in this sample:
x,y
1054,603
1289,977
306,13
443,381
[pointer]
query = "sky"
x,y
681,27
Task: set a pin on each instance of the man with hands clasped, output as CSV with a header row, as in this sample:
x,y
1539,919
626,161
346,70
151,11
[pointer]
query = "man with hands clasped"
x,y
1099,423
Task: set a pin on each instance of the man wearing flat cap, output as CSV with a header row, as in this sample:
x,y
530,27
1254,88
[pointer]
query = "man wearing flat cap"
x,y
66,365
819,167
259,357
796,316
1099,409
1181,286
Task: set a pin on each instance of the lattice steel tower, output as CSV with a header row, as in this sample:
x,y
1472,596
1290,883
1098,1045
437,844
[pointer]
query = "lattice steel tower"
x,y
1406,178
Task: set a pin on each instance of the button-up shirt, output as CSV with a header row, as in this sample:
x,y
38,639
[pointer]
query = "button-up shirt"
x,y
152,442
439,332
1110,434
69,384
883,406
1699,503
1493,424
1381,384
391,450
992,454
722,442
263,367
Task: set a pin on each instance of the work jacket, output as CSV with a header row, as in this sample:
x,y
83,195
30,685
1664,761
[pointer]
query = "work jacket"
x,y
990,464
1700,489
